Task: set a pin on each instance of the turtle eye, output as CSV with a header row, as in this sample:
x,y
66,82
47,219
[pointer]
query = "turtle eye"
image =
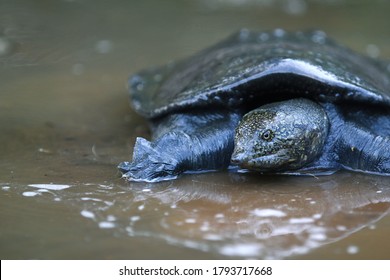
x,y
267,135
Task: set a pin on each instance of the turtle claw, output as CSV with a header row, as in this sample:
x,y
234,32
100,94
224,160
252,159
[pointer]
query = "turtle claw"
x,y
149,164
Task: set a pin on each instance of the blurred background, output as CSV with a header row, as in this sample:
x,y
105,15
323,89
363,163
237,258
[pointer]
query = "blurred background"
x,y
65,124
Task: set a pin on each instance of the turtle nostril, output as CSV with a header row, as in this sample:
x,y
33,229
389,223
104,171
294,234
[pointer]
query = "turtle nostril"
x,y
236,158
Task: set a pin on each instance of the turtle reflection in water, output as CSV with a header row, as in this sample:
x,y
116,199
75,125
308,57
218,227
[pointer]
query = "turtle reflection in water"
x,y
293,103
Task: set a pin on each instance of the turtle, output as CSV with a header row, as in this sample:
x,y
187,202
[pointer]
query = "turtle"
x,y
284,102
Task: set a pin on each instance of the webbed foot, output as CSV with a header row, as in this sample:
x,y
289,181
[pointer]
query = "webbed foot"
x,y
149,164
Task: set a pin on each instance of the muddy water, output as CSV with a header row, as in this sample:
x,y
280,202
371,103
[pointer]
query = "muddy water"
x,y
65,124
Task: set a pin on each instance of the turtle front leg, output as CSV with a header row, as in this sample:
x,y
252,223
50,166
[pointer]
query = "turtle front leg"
x,y
183,142
150,163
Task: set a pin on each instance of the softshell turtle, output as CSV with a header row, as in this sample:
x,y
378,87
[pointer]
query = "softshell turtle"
x,y
311,106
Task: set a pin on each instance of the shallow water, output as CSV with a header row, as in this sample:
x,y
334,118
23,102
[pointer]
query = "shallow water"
x,y
65,124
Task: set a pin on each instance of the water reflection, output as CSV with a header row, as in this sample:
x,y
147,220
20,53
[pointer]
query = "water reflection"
x,y
267,218
261,220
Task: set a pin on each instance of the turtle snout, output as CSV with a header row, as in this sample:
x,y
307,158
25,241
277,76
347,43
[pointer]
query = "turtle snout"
x,y
237,156
235,160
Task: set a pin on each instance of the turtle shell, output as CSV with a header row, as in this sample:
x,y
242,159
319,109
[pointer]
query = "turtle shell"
x,y
250,68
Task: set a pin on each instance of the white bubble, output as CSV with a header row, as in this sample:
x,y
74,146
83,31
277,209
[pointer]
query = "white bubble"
x,y
319,37
111,218
318,236
53,187
90,198
5,46
44,151
157,78
140,87
279,32
295,7
141,207
190,221
106,225
341,228
268,213
301,220
87,214
106,187
205,226
317,216
135,218
373,50
30,194
213,237
372,227
78,69
264,37
243,250
103,46
352,249
43,190
244,34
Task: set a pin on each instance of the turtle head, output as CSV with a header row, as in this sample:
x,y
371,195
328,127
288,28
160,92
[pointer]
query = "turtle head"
x,y
280,136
